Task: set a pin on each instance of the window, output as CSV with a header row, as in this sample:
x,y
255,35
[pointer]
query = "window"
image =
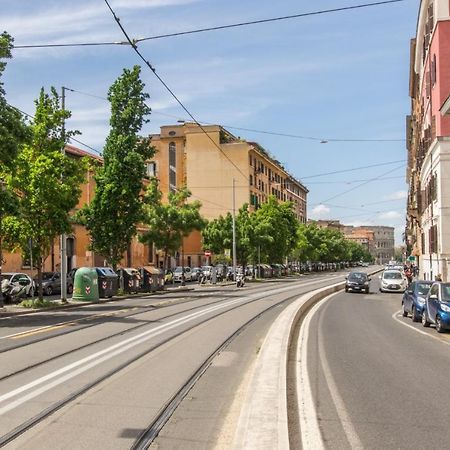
x,y
150,169
172,167
433,71
251,180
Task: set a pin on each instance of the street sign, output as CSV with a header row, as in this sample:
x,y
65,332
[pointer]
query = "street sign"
x,y
207,252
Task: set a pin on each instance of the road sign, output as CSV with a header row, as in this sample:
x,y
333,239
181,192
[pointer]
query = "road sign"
x,y
207,252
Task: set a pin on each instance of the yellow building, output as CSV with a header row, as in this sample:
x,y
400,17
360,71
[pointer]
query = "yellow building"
x,y
218,167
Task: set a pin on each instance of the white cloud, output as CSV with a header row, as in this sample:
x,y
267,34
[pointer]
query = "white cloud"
x,y
319,212
399,195
390,215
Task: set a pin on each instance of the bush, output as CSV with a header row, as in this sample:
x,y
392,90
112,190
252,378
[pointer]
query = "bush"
x,y
28,303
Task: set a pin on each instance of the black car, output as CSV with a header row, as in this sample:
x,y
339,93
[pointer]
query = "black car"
x,y
357,282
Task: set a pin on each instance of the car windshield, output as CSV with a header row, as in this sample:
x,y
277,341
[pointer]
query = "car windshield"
x,y
179,269
423,288
392,276
446,292
46,275
357,276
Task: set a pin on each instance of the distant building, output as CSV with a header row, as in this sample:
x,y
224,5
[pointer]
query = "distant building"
x,y
217,166
427,234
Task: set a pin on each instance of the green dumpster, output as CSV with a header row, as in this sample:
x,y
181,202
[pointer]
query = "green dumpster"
x,y
85,287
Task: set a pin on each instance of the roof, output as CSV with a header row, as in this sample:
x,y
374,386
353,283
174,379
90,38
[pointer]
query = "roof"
x,y
75,151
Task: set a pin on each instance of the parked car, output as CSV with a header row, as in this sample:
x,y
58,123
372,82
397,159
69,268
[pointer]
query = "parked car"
x,y
437,307
413,300
393,281
51,283
178,274
357,282
195,273
15,285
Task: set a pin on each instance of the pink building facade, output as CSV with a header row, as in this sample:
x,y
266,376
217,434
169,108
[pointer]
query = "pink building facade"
x,y
428,142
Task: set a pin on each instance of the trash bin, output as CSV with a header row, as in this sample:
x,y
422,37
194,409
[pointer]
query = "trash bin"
x,y
129,279
146,281
157,278
108,282
85,286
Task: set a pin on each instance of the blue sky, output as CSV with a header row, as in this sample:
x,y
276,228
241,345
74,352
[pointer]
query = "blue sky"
x,y
341,76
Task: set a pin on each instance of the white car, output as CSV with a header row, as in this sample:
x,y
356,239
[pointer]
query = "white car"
x,y
178,274
393,281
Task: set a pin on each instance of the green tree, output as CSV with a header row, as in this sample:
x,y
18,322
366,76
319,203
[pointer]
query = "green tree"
x,y
47,184
112,217
280,219
13,132
217,235
168,223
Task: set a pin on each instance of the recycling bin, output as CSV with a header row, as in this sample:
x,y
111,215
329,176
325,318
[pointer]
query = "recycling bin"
x,y
108,282
129,280
85,287
146,280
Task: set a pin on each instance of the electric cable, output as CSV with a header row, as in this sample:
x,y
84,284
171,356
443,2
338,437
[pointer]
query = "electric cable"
x,y
147,63
71,138
273,133
220,27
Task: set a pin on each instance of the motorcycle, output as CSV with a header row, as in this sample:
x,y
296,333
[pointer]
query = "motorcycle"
x,y
240,280
13,292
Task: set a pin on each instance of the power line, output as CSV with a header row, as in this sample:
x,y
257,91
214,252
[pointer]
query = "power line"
x,y
273,133
71,138
147,63
353,169
360,185
220,27
353,181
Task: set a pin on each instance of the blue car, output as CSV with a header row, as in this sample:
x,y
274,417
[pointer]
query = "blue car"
x,y
413,300
437,307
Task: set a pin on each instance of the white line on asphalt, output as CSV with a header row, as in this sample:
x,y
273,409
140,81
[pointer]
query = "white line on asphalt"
x,y
93,360
344,417
67,322
417,330
309,425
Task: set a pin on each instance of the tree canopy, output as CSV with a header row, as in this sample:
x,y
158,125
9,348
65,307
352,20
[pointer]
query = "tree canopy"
x,y
112,217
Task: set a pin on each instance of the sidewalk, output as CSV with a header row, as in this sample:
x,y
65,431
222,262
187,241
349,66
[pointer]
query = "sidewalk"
x,y
16,310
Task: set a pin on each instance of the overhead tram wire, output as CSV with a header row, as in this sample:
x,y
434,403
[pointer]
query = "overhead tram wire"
x,y
273,133
220,27
134,46
71,138
358,186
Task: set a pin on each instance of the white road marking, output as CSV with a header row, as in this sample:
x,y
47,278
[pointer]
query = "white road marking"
x,y
309,425
416,329
72,370
344,417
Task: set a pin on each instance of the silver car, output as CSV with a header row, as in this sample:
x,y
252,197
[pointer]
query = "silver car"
x,y
393,281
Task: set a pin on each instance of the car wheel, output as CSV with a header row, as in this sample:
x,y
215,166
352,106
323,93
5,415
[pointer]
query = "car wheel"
x,y
404,312
70,289
367,290
439,327
425,322
346,289
48,290
414,315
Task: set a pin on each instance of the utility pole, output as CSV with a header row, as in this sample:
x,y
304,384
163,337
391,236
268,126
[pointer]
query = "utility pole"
x,y
234,231
2,193
63,238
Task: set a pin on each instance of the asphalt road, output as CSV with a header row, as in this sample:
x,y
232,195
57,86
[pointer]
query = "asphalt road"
x,y
378,381
112,368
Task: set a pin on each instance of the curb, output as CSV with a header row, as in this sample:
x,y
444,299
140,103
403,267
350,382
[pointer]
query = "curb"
x,y
6,313
263,421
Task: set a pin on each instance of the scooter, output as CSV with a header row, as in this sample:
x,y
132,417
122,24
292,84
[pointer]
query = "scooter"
x,y
13,292
240,280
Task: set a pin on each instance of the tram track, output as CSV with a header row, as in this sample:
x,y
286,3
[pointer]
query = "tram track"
x,y
144,440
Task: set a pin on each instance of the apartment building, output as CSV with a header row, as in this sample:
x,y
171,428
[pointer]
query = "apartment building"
x,y
78,254
220,170
427,232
